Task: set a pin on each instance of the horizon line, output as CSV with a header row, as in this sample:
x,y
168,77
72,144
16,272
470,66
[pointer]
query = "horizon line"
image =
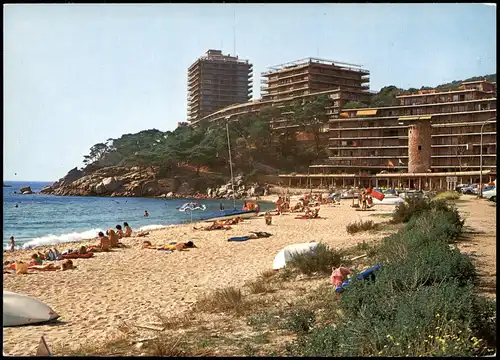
x,y
29,181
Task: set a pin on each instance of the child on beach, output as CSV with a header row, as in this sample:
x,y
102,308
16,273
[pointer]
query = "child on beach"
x,y
12,243
35,260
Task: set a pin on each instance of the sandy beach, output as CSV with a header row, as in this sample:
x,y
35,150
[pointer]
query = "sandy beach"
x,y
134,284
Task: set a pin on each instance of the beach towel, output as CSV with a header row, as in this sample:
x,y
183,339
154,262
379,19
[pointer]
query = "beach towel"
x,y
78,256
238,238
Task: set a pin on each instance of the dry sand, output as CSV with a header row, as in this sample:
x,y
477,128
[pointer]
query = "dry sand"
x,y
134,284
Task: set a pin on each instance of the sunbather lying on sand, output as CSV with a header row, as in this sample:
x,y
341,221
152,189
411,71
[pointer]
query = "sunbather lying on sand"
x,y
216,225
259,234
314,214
35,260
170,247
234,221
142,234
104,244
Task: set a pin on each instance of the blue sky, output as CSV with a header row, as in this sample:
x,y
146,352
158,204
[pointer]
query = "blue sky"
x,y
76,75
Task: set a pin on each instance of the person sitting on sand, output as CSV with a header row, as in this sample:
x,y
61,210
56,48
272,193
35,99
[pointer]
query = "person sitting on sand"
x,y
119,231
35,260
128,230
146,213
113,238
104,244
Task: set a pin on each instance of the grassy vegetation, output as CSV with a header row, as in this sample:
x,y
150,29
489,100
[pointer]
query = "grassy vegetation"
x,y
361,225
321,261
448,195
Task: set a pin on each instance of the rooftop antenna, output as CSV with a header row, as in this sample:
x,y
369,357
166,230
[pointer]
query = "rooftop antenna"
x,y
234,30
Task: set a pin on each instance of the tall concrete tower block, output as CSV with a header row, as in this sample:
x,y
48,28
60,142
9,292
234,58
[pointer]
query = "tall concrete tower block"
x,y
419,146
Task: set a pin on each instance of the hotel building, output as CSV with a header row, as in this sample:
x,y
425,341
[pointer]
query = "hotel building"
x,y
216,81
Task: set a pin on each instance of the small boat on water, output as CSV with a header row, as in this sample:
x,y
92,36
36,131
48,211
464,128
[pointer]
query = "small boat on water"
x,y
229,214
19,309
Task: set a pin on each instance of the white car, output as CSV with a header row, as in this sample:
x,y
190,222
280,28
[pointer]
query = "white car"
x,y
490,194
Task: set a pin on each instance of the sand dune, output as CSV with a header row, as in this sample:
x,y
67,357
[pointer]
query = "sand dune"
x,y
133,284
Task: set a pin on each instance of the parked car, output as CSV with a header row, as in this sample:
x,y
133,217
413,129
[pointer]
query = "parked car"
x,y
460,187
486,187
412,194
469,189
390,192
490,194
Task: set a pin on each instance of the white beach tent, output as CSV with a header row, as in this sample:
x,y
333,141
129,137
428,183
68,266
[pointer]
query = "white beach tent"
x,y
285,254
19,309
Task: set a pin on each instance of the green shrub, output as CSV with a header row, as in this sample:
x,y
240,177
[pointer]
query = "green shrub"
x,y
433,321
422,302
414,207
448,195
361,225
301,321
321,260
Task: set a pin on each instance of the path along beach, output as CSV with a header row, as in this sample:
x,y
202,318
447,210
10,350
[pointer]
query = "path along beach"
x,y
134,284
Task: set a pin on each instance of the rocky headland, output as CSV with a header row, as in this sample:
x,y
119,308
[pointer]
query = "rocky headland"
x,y
147,182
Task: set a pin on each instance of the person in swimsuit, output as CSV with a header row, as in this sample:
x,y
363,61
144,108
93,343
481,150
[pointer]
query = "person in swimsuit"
x,y
12,243
119,231
128,230
35,260
113,238
104,244
146,213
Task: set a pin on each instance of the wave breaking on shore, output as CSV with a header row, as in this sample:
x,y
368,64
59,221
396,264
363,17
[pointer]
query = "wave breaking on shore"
x,y
64,238
51,239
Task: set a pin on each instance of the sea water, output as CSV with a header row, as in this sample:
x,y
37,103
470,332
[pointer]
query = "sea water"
x,y
48,220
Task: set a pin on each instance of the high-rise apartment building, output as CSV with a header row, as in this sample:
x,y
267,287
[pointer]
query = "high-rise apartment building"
x,y
302,80
216,81
313,75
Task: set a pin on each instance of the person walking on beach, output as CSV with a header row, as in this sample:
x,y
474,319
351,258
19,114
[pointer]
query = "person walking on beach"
x,y
146,213
363,199
12,243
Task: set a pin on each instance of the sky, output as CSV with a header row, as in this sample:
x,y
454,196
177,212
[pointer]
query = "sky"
x,y
76,75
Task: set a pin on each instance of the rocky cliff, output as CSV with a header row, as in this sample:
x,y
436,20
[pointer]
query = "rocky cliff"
x,y
145,182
